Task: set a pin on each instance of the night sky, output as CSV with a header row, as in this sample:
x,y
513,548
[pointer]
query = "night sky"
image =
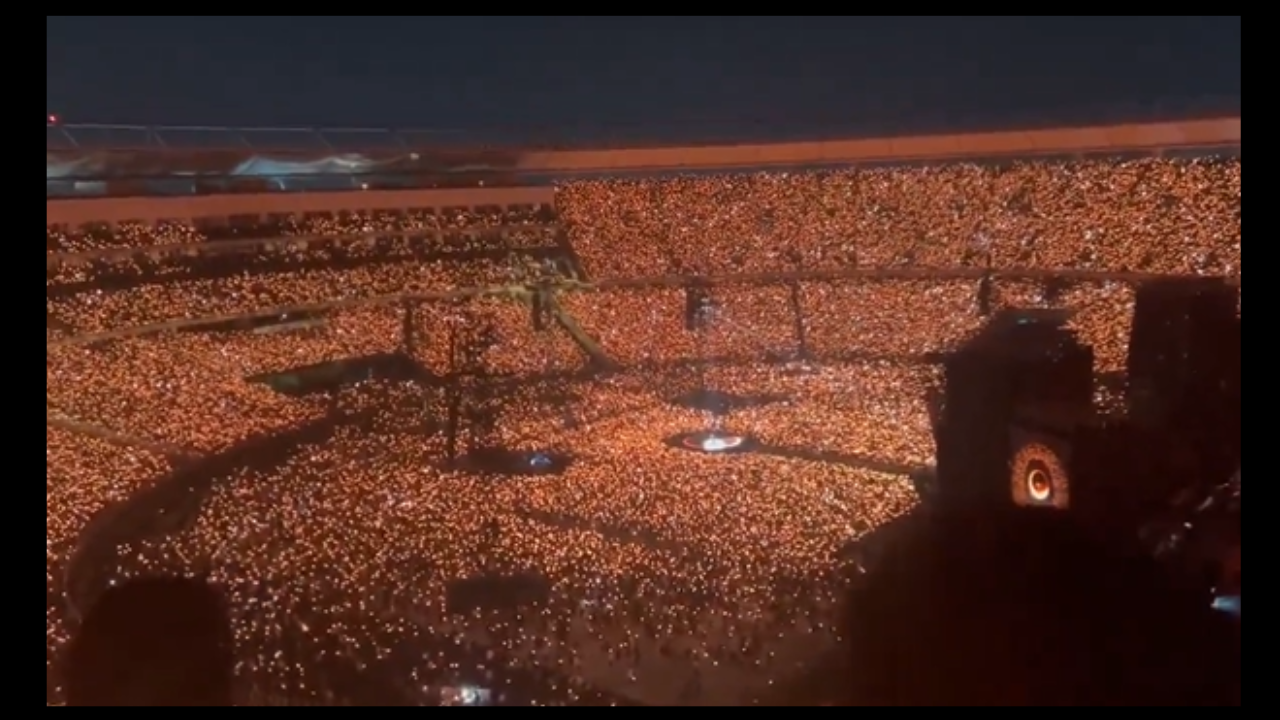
x,y
651,78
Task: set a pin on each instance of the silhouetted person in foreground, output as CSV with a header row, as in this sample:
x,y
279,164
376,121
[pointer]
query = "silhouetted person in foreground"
x,y
1016,608
1020,608
153,642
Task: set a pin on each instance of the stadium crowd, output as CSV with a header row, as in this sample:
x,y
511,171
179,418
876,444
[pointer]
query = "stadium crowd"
x,y
355,257
84,475
641,543
656,591
1149,215
134,235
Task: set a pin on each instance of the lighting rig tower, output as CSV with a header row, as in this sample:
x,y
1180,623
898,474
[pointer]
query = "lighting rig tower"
x,y
478,404
700,315
801,332
409,328
540,303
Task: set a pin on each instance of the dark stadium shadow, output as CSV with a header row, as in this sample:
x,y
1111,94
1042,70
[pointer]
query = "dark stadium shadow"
x,y
719,402
776,360
1112,382
333,375
501,381
160,642
1017,608
51,322
850,460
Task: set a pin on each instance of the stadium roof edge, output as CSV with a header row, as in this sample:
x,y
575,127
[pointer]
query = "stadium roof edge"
x,y
1115,139
1198,135
67,137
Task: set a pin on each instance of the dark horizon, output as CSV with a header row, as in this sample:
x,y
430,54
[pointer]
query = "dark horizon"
x,y
641,79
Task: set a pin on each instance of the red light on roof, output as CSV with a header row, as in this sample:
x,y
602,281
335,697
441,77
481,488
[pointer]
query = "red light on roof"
x,y
51,119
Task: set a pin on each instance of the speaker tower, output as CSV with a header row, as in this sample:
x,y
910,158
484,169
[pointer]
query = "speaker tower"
x,y
1024,363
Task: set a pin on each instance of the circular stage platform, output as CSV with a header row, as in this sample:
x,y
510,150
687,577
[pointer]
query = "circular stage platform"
x,y
712,442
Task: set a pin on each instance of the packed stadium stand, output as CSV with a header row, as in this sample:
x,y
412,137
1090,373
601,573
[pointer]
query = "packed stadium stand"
x,y
347,407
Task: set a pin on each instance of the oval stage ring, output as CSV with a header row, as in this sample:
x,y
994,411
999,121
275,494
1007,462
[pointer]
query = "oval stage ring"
x,y
712,442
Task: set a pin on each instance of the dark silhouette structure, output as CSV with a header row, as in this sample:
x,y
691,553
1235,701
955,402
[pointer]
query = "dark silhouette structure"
x,y
1022,607
1017,425
1185,368
153,642
1023,364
